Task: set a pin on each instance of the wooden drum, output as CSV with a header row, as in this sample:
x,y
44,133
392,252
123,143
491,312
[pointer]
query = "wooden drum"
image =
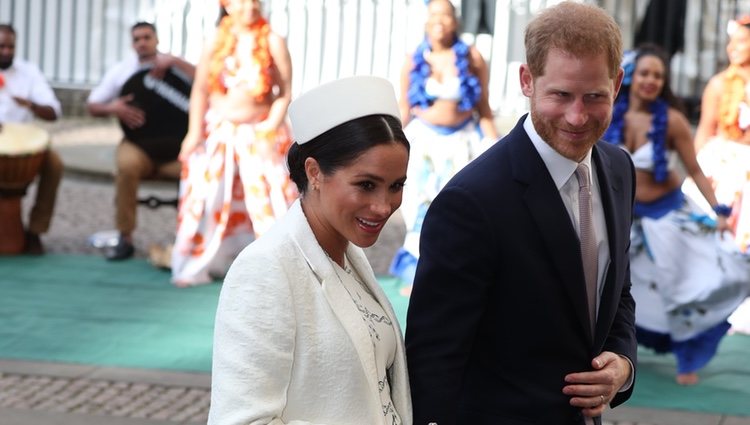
x,y
22,150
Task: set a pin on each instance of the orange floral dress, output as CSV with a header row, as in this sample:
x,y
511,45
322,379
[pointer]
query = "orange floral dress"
x,y
725,161
234,188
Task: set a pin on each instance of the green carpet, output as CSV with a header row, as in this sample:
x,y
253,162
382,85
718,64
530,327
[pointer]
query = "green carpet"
x,y
85,310
724,385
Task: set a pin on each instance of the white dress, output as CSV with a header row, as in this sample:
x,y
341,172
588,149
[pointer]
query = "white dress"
x,y
686,279
435,156
380,328
727,164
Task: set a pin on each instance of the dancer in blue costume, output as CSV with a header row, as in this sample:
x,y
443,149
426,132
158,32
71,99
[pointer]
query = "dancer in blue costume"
x,y
446,117
687,275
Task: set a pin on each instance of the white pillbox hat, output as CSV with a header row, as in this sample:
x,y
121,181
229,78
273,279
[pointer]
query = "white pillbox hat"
x,y
328,105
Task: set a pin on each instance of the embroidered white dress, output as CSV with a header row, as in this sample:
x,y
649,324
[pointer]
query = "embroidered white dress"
x,y
380,328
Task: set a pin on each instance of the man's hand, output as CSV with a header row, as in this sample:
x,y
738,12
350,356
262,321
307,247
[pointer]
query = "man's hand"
x,y
26,103
162,63
39,111
130,115
593,390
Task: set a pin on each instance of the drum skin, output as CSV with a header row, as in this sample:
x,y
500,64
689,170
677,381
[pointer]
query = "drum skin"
x,y
22,149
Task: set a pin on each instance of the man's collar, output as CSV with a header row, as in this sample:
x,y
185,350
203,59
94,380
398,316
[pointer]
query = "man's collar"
x,y
559,167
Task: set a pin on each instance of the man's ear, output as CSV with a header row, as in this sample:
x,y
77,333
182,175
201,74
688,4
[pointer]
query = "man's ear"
x,y
618,81
526,79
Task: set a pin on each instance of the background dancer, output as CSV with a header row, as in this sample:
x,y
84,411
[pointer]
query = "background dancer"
x,y
684,283
234,183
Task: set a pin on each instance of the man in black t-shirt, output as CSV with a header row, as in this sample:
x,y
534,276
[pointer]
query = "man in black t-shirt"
x,y
149,95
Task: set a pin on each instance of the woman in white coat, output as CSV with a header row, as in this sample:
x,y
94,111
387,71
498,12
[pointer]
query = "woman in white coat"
x,y
304,334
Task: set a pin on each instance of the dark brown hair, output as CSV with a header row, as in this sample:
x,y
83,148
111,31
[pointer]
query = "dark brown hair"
x,y
341,145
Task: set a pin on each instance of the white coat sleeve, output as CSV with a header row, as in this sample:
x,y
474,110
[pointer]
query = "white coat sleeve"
x,y
253,344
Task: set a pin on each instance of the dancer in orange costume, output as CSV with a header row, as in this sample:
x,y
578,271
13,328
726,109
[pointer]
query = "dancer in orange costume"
x,y
234,183
722,140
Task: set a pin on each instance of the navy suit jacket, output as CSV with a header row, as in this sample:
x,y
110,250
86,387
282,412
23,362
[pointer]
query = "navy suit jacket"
x,y
498,313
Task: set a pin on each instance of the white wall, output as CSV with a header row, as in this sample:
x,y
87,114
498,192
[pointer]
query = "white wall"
x,y
75,41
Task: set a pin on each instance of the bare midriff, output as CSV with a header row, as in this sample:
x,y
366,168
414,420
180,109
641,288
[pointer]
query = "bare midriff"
x,y
238,106
443,112
648,190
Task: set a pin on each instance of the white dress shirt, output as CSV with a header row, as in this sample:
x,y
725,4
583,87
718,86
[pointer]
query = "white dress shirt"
x,y
562,171
25,80
111,85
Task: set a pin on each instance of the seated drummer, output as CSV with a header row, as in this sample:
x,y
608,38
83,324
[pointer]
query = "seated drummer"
x,y
135,163
24,96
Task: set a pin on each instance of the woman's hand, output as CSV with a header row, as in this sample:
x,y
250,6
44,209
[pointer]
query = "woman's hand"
x,y
189,144
264,129
722,225
266,143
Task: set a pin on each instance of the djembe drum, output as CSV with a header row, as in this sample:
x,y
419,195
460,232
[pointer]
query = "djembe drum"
x,y
22,150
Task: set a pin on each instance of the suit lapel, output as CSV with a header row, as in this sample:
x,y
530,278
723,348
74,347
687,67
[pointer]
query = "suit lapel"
x,y
609,185
547,210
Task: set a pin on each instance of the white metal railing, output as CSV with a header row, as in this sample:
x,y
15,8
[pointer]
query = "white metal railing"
x,y
75,41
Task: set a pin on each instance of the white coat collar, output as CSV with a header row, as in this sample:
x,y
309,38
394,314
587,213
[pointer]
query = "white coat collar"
x,y
345,310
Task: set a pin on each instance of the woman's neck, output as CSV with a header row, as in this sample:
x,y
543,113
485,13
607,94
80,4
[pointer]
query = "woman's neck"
x,y
334,248
744,71
440,45
637,104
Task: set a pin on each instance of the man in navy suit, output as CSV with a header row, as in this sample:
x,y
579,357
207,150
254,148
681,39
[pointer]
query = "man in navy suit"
x,y
499,328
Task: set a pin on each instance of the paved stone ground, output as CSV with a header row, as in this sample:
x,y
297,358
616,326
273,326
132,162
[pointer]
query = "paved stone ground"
x,y
34,393
104,398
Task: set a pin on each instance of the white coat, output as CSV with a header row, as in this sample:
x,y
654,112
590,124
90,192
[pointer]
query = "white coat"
x,y
290,346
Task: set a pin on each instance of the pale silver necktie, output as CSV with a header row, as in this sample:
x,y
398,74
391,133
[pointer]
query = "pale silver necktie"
x,y
587,236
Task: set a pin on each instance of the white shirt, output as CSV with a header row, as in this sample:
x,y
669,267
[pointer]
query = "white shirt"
x,y
562,171
25,80
111,85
